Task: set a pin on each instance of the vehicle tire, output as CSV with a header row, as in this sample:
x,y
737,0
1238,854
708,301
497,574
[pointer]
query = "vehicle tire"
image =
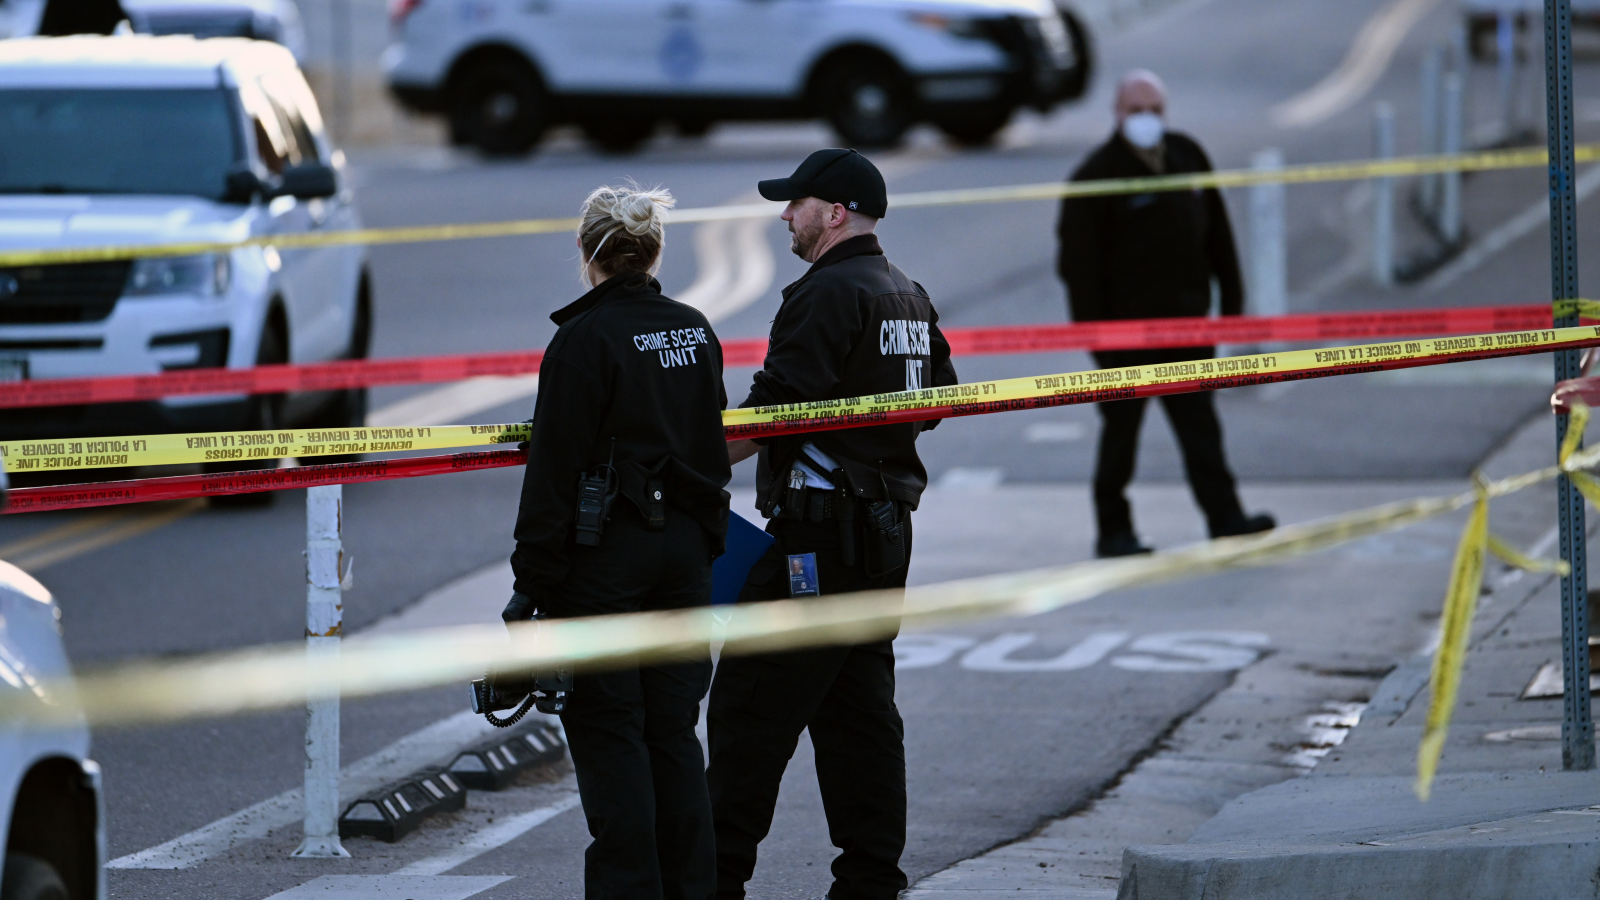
x,y
869,102
31,878
621,134
266,414
1075,83
498,106
693,127
975,127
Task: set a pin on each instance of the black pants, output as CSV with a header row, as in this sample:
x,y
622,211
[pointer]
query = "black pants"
x,y
845,696
1194,422
641,771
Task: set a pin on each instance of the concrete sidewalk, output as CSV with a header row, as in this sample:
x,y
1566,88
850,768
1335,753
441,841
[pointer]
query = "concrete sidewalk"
x,y
1504,819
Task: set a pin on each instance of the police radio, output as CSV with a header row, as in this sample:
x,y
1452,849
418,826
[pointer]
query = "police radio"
x,y
596,492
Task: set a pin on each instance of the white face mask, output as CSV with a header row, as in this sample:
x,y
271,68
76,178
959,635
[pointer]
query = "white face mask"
x,y
1143,130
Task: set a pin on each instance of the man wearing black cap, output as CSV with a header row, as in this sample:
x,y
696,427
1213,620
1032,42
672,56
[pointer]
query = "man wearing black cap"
x,y
839,505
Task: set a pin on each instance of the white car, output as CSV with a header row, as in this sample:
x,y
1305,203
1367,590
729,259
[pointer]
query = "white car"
x,y
505,70
264,20
50,798
153,140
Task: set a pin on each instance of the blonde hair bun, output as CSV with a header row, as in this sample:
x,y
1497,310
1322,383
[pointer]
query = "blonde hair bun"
x,y
623,229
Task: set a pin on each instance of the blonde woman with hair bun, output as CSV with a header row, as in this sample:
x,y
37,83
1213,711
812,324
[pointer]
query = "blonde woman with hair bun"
x,y
623,510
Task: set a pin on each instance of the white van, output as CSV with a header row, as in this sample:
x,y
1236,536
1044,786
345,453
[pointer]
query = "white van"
x,y
503,71
51,806
155,140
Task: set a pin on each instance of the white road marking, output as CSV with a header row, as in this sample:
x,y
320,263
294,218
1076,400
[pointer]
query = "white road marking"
x,y
403,757
392,887
1524,223
454,402
496,835
1363,65
1055,432
960,478
1196,651
993,656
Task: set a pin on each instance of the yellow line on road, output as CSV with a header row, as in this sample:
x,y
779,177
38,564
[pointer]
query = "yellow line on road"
x,y
92,533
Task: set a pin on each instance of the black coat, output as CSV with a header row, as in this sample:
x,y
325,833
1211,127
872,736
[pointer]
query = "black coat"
x,y
1146,256
852,326
630,364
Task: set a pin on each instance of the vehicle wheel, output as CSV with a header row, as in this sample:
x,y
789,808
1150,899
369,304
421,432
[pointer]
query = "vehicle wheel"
x,y
869,102
499,107
975,127
31,878
619,135
266,414
1076,81
693,128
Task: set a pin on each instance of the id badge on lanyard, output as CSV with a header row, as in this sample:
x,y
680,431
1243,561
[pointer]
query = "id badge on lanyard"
x,y
803,575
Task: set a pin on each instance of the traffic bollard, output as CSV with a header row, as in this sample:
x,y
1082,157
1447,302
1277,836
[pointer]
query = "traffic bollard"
x,y
1269,268
324,624
1383,198
1450,192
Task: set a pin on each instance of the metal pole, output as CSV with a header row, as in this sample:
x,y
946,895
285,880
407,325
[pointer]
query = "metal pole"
x,y
1383,198
1269,269
1432,69
1450,199
324,624
1577,726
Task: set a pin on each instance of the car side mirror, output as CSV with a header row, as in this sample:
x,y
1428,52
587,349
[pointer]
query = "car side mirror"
x,y
242,187
309,182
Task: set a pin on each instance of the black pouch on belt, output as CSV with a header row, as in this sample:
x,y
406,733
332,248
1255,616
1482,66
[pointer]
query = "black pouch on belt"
x,y
885,533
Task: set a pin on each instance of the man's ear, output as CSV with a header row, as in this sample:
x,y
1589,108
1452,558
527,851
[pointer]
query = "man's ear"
x,y
838,216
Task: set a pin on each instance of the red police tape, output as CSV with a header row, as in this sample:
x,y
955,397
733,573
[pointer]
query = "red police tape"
x,y
1114,335
80,496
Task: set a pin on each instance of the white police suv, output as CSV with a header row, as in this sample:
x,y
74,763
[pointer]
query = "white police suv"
x,y
505,70
115,141
50,802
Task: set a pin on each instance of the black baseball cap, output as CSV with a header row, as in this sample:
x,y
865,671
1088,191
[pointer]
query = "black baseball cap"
x,y
836,176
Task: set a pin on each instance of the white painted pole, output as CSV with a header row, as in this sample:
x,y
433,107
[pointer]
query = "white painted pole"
x,y
1450,201
1432,69
1505,42
324,624
1383,198
1269,269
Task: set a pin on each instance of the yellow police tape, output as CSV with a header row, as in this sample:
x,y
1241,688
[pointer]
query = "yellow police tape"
x,y
283,675
1523,158
976,397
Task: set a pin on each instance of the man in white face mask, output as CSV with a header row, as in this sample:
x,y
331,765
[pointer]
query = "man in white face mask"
x,y
1147,256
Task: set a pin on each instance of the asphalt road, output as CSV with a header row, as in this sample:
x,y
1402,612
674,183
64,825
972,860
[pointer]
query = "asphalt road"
x,y
993,752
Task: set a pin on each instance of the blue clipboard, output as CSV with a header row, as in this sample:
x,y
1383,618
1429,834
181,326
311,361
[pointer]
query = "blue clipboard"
x,y
746,544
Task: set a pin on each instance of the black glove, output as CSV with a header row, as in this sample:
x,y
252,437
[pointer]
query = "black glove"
x,y
524,445
520,608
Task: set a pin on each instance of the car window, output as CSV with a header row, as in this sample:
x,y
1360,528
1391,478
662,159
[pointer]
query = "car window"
x,y
118,141
290,118
275,141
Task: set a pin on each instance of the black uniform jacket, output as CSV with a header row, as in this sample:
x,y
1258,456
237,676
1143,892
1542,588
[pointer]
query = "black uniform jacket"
x,y
853,325
627,364
1146,256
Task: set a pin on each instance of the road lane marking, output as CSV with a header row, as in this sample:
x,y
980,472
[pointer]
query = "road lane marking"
x,y
455,402
1524,223
1363,65
69,541
495,836
993,655
392,887
421,748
